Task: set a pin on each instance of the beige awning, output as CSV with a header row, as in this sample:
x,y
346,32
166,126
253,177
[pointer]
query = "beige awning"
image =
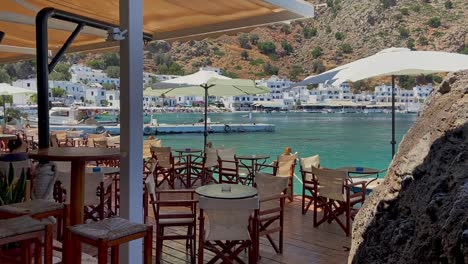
x,y
170,20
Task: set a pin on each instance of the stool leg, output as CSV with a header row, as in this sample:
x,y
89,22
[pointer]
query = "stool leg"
x,y
102,253
37,252
115,254
148,244
48,244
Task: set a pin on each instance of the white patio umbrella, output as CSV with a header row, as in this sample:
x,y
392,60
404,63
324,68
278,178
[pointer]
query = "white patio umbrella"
x,y
203,83
7,89
392,62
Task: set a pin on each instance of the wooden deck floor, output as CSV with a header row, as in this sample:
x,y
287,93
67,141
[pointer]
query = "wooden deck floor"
x,y
302,242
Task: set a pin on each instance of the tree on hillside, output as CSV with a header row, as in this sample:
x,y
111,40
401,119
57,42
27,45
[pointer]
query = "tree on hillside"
x,y
317,52
110,59
309,32
339,35
295,72
113,71
288,48
96,64
270,69
4,76
109,86
244,41
434,22
61,73
58,92
158,47
317,66
254,39
244,55
267,47
33,98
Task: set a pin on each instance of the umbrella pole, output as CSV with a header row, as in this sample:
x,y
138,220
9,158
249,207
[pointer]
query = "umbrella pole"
x,y
393,142
4,110
205,133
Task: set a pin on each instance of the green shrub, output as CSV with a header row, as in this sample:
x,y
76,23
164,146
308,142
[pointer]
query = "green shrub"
x,y
219,53
415,8
237,67
328,29
448,4
256,62
404,33
244,55
464,50
388,3
309,32
438,34
317,52
339,35
434,22
296,71
404,11
244,41
286,29
267,47
254,39
288,48
346,48
317,66
410,43
423,41
269,69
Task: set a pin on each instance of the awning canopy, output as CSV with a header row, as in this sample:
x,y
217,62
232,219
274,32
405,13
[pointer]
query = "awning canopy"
x,y
162,19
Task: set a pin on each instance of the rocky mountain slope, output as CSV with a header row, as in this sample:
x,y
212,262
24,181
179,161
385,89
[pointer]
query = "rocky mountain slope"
x,y
342,31
420,212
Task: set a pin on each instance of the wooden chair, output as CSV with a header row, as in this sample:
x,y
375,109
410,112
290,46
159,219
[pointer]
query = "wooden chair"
x,y
283,166
308,180
272,193
173,212
229,170
91,137
167,170
27,231
111,233
204,167
228,232
54,141
98,193
335,197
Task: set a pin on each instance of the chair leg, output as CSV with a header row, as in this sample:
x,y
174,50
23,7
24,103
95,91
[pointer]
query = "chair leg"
x,y
102,253
26,251
37,252
115,254
303,201
148,246
159,244
48,244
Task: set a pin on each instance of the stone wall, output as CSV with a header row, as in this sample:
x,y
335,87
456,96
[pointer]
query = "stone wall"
x,y
420,212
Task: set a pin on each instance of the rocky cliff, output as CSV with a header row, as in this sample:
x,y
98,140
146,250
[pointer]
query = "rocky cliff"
x,y
420,213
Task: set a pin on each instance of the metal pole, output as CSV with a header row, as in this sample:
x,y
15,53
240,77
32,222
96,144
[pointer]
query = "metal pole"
x,y
42,76
131,120
393,142
2,34
205,133
65,46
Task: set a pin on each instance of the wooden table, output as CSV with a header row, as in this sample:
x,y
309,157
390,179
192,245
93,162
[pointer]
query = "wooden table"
x,y
78,157
252,167
361,172
189,152
226,191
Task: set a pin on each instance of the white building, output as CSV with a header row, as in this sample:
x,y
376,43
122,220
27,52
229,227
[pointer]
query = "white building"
x,y
113,98
95,94
276,84
421,92
85,74
74,91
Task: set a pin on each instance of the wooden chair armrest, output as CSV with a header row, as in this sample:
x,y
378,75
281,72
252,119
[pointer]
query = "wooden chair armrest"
x,y
353,184
175,202
176,191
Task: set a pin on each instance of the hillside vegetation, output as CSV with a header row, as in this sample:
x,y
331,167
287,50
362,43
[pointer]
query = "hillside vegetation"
x,y
342,31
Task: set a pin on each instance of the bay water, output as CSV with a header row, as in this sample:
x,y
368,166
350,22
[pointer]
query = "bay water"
x,y
358,140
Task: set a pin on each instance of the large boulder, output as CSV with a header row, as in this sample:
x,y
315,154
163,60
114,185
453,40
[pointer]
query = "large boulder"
x,y
420,212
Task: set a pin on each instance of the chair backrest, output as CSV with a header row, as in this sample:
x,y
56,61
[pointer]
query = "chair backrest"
x,y
286,164
92,137
74,134
100,143
61,135
228,219
151,186
54,142
331,183
268,186
163,156
228,154
211,157
113,141
307,164
147,144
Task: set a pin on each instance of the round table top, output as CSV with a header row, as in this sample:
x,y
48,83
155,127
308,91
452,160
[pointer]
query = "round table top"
x,y
226,191
75,154
252,157
7,136
188,150
359,170
104,170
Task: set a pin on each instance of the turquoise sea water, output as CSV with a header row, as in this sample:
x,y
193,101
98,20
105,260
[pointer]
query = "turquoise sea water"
x,y
361,140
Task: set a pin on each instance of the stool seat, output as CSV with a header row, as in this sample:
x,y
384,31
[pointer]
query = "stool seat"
x,y
20,225
108,229
31,207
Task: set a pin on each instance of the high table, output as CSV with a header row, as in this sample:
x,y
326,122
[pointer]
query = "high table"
x,y
78,156
189,152
226,191
361,172
252,168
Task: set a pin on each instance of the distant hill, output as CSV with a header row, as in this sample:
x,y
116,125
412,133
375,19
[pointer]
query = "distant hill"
x,y
342,31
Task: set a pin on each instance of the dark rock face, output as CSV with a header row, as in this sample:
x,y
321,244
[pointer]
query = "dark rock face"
x,y
420,213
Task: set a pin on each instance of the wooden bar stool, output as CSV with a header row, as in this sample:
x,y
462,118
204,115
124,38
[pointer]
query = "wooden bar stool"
x,y
111,233
27,231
